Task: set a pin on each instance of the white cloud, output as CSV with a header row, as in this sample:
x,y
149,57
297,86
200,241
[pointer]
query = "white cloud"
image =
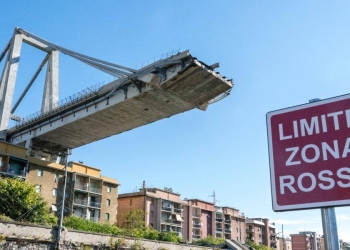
x,y
295,222
341,217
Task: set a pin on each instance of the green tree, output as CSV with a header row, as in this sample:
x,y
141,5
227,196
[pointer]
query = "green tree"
x,y
135,219
257,247
20,202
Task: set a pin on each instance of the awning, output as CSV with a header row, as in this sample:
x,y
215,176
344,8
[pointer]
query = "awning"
x,y
53,208
178,218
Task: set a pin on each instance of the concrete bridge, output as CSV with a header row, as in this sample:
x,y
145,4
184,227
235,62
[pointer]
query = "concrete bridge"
x,y
162,89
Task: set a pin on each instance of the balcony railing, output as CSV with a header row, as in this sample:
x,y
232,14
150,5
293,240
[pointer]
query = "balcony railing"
x,y
196,214
81,202
219,229
227,230
197,225
218,219
80,215
95,204
250,230
166,208
250,238
95,219
177,210
95,190
81,186
227,221
196,236
171,221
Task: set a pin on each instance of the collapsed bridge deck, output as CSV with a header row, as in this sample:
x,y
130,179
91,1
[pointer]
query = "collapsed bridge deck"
x,y
160,90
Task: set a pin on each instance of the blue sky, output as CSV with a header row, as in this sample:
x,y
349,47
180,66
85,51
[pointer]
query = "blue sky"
x,y
279,53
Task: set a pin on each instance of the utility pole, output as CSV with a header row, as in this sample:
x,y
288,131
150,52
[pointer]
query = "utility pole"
x,y
282,238
64,159
214,200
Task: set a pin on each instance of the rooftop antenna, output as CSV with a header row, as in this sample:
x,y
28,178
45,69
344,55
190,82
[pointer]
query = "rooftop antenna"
x,y
214,200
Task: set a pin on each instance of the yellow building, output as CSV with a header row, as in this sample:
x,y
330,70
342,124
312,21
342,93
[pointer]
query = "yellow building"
x,y
88,194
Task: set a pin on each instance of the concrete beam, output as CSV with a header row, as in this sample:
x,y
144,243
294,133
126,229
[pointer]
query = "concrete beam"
x,y
50,95
7,83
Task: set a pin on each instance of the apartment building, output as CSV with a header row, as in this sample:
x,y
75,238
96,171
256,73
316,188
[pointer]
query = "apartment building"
x,y
200,220
284,244
163,208
306,240
261,232
88,194
232,224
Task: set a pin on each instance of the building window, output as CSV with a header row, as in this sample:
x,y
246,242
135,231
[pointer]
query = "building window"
x,y
151,224
107,216
40,172
54,192
108,202
151,214
38,188
130,202
108,189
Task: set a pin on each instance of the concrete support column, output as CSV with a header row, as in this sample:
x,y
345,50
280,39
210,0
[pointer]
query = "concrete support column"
x,y
50,95
7,83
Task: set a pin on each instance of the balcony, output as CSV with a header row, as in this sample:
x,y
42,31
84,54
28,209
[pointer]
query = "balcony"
x,y
80,215
198,225
272,233
219,229
81,186
227,230
177,210
227,221
218,219
196,236
250,230
250,238
95,204
171,221
80,202
94,219
95,190
198,215
166,208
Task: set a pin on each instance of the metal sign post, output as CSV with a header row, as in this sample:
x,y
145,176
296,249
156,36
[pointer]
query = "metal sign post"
x,y
330,230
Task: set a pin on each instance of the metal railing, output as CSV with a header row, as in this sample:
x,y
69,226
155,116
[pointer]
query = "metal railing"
x,y
95,190
218,219
171,221
166,208
95,219
177,210
197,225
227,221
62,104
95,204
81,186
196,215
78,201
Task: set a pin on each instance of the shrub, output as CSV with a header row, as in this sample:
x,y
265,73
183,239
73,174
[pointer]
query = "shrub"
x,y
209,241
77,223
170,237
